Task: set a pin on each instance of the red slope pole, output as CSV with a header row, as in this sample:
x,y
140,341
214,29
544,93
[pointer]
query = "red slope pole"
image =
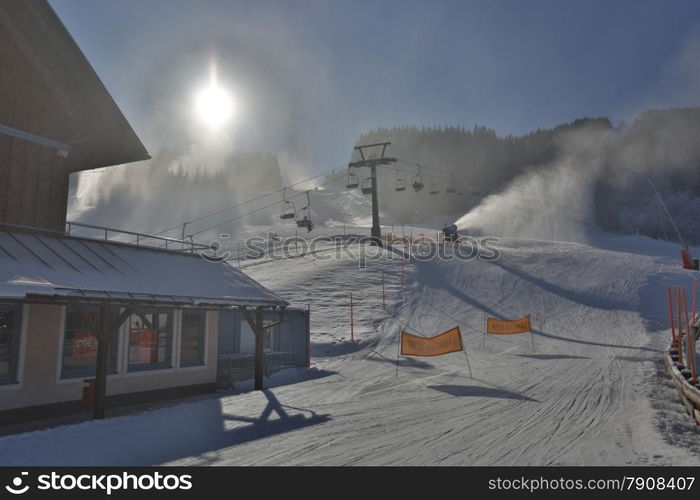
x,y
694,300
689,343
680,325
670,318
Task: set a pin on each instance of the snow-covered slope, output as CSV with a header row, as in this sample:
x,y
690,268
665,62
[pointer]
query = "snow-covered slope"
x,y
588,393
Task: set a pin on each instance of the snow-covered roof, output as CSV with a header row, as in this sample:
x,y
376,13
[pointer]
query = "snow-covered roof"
x,y
37,264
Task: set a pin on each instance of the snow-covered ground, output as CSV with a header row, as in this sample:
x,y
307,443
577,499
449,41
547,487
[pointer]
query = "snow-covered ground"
x,y
590,392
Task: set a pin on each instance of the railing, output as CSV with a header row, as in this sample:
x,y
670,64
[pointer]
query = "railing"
x,y
110,234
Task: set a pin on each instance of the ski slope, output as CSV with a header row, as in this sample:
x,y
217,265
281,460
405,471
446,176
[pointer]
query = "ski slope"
x,y
590,392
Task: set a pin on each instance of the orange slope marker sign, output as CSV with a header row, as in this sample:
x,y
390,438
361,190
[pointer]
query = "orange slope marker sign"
x,y
508,327
449,341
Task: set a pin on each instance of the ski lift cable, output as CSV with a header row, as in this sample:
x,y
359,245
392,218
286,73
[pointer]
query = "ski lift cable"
x,y
245,202
563,201
420,165
260,209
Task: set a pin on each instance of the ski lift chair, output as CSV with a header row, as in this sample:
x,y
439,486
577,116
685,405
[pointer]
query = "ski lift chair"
x,y
400,183
418,183
433,187
351,182
306,220
367,186
288,209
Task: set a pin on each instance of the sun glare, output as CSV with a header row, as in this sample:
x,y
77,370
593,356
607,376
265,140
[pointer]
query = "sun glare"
x,y
213,104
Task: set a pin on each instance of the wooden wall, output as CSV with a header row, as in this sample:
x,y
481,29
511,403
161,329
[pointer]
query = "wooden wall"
x,y
33,178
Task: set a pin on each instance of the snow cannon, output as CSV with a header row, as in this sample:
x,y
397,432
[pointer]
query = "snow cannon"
x,y
687,260
450,232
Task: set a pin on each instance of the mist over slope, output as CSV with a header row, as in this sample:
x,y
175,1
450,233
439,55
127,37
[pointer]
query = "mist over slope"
x,y
560,183
173,188
556,184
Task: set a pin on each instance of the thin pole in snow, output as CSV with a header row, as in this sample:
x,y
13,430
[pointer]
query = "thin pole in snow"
x,y
483,337
670,318
352,324
383,294
468,366
398,352
308,337
465,355
238,253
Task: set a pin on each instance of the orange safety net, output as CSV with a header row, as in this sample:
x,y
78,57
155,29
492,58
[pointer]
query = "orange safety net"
x,y
449,341
507,327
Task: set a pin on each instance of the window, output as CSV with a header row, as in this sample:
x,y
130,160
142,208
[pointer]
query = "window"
x,y
10,321
192,338
150,340
79,357
269,339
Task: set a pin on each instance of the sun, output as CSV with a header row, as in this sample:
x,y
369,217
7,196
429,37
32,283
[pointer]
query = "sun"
x,y
214,105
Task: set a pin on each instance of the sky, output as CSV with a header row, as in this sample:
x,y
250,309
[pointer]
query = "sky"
x,y
309,76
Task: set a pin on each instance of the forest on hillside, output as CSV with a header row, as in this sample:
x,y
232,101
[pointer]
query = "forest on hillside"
x,y
618,166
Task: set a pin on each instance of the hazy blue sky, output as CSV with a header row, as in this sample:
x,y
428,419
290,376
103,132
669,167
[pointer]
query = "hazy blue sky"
x,y
311,75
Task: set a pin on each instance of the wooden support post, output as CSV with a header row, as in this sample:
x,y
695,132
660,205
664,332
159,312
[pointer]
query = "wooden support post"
x,y
104,331
103,343
259,351
256,324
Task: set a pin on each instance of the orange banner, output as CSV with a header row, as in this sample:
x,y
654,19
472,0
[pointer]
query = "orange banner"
x,y
507,327
450,341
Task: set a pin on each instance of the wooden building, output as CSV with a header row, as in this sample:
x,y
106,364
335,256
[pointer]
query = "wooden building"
x,y
137,322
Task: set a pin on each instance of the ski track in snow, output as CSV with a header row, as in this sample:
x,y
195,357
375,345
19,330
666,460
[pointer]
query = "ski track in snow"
x,y
591,392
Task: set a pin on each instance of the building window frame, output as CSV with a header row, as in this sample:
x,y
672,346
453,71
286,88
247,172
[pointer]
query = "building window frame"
x,y
16,365
170,348
180,339
115,362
